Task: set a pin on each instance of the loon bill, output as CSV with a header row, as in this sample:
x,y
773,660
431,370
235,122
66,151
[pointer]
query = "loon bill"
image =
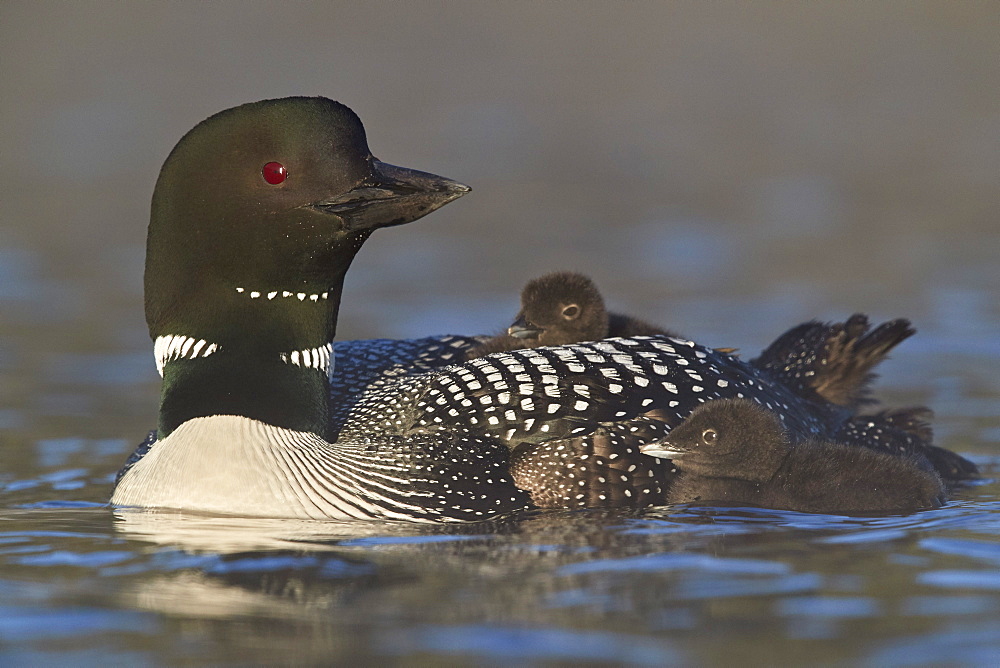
x,y
256,216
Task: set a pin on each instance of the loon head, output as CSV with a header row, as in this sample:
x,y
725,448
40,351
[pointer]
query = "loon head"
x,y
726,438
256,216
558,309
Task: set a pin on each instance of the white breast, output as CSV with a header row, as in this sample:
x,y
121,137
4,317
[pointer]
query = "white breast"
x,y
235,465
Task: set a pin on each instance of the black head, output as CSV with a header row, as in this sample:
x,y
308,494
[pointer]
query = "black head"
x,y
559,309
726,438
256,216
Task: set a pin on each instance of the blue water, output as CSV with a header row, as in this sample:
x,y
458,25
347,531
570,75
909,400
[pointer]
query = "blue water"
x,y
670,586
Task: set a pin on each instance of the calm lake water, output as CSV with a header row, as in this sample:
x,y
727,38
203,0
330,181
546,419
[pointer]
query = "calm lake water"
x,y
726,170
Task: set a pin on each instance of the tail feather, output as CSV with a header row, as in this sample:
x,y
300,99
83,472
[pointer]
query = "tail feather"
x,y
833,361
906,432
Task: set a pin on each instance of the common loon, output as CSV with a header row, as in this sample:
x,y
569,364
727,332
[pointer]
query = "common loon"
x,y
256,217
735,451
561,308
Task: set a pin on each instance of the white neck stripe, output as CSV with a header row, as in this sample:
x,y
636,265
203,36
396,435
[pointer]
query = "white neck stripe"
x,y
176,346
320,357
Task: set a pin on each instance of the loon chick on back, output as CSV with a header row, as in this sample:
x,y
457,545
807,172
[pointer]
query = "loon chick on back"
x,y
562,308
737,452
256,217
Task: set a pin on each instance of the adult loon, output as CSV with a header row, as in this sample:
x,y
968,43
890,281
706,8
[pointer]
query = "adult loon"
x,y
735,451
256,216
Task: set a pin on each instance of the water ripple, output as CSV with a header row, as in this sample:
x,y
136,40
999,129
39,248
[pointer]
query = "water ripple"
x,y
673,562
973,549
961,579
534,644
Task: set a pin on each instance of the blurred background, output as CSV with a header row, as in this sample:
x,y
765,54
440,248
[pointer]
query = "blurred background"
x,y
726,169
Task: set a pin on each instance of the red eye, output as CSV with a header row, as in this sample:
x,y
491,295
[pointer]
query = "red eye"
x,y
274,173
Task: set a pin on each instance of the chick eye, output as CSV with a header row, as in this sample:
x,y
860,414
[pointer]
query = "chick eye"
x,y
709,436
274,173
571,311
